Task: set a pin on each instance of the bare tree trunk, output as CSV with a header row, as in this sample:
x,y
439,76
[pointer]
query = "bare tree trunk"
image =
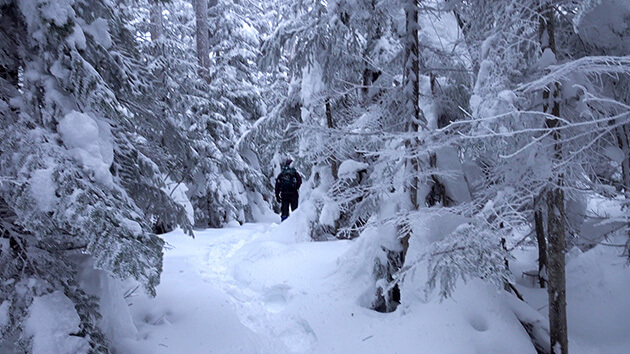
x,y
542,241
414,116
156,21
12,31
623,139
203,46
334,164
555,202
411,91
374,33
557,284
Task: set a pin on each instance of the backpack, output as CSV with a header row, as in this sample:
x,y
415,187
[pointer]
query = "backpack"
x,y
288,180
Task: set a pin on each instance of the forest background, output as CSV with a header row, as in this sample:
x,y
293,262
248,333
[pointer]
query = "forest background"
x,y
121,120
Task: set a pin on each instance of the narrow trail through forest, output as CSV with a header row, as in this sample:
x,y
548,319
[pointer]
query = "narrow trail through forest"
x,y
259,293
261,278
263,288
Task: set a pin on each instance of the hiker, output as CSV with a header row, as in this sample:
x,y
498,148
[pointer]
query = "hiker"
x,y
287,185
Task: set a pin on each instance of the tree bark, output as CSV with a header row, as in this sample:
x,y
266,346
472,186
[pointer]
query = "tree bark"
x,y
13,31
623,139
334,164
542,241
203,46
555,201
557,283
411,91
373,35
414,117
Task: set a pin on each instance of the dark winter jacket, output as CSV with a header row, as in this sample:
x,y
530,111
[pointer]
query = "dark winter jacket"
x,y
288,182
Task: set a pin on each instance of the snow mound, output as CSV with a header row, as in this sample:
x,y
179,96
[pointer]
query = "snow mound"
x,y
53,324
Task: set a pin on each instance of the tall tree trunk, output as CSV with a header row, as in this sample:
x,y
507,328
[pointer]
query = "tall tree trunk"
x,y
557,285
555,201
542,241
411,91
156,21
203,46
414,117
373,35
334,164
623,139
13,32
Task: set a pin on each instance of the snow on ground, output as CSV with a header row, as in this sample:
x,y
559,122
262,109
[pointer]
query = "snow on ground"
x,y
261,288
190,314
598,286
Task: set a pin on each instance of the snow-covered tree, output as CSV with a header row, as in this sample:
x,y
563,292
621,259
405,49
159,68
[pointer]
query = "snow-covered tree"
x,y
79,171
206,109
534,130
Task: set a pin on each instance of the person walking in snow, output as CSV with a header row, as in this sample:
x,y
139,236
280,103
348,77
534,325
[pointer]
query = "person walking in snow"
x,y
288,183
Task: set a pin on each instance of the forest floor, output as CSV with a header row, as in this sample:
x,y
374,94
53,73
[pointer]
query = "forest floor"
x,y
257,289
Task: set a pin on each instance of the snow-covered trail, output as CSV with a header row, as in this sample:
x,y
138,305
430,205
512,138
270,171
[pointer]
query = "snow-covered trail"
x,y
191,312
260,288
237,290
270,283
263,288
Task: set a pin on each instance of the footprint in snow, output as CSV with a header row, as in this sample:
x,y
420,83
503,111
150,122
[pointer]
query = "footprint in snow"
x,y
298,336
276,297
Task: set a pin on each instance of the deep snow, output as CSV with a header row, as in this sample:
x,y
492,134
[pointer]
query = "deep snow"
x,y
261,288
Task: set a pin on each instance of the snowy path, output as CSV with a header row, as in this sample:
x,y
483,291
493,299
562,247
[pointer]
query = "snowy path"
x,y
260,288
270,283
237,290
191,313
257,288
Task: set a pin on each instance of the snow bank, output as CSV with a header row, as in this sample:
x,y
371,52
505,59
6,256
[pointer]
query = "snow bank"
x,y
76,39
53,324
90,143
189,314
296,228
597,288
311,297
261,288
606,26
598,284
116,322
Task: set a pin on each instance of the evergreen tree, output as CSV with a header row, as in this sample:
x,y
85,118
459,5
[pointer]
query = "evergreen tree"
x,y
79,172
204,108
